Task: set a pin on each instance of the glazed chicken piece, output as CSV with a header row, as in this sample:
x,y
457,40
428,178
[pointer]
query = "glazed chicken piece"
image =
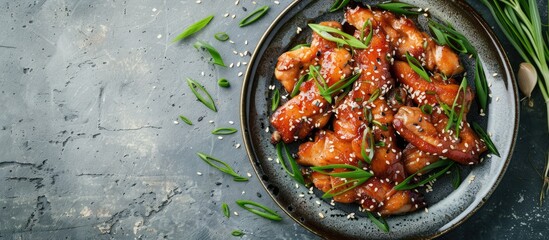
x,y
415,159
292,65
326,149
404,37
426,132
424,92
300,115
375,195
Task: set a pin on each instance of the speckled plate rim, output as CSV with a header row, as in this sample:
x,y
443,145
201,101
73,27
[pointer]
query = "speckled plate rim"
x,y
244,107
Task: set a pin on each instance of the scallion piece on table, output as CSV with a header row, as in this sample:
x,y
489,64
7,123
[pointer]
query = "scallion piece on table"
x,y
254,16
259,210
400,8
202,94
275,101
224,83
417,67
379,222
185,120
221,36
446,163
486,139
224,131
237,233
221,166
295,171
345,39
216,57
225,209
338,4
195,27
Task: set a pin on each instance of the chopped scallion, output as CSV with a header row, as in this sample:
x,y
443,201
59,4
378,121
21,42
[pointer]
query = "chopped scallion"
x,y
254,16
203,96
195,27
259,210
213,52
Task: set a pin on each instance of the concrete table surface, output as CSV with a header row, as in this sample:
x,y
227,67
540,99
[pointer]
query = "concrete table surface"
x,y
92,147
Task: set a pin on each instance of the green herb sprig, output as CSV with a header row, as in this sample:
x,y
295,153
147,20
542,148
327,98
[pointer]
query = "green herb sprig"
x,y
323,88
486,139
185,120
379,222
259,210
295,91
254,16
345,39
275,101
338,4
224,131
221,166
453,117
193,28
202,94
367,139
216,57
445,164
417,67
356,177
400,8
295,171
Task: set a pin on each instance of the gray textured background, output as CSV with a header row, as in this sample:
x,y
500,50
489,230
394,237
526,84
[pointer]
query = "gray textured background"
x,y
91,147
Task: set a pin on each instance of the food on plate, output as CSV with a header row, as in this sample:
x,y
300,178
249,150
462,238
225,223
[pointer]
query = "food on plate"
x,y
368,116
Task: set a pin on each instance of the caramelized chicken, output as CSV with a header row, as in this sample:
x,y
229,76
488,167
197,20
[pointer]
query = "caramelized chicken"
x,y
415,159
404,37
326,149
428,134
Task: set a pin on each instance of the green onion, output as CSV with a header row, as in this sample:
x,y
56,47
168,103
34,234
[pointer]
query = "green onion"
x,y
453,118
225,209
195,27
354,174
355,183
370,34
400,8
237,233
220,165
338,4
486,139
346,39
427,109
254,16
259,210
446,163
207,99
299,46
367,137
223,131
481,85
417,67
456,181
221,36
275,101
295,91
185,120
380,125
323,88
379,222
374,95
295,172
447,35
380,144
213,52
223,83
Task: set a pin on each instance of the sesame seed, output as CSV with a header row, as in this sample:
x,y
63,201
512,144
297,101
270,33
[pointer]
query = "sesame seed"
x,y
226,15
239,74
175,122
495,74
220,137
199,173
235,213
231,65
237,145
321,215
233,16
276,2
198,1
236,2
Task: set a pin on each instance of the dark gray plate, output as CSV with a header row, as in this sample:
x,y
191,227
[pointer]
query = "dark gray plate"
x,y
447,208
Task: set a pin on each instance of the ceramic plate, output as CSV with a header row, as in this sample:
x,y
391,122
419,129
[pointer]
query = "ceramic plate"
x,y
447,207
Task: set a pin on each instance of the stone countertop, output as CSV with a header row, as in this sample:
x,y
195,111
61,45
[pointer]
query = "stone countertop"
x,y
92,146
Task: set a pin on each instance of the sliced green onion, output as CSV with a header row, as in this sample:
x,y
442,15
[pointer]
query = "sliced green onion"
x,y
400,8
380,125
374,95
370,34
224,131
213,52
220,165
453,118
299,46
295,91
379,222
338,4
456,180
427,109
275,101
295,171
193,28
367,137
185,120
380,144
355,183
223,83
354,174
417,67
225,209
486,139
323,88
254,16
481,85
447,35
203,96
221,36
324,32
446,163
237,233
259,210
